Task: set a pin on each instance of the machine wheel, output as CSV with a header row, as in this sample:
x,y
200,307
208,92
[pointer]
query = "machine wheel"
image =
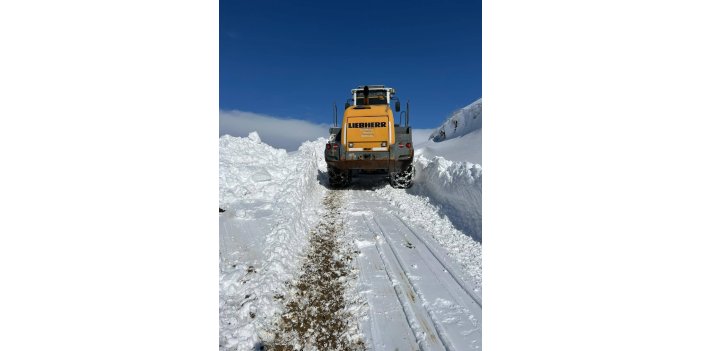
x,y
339,178
402,179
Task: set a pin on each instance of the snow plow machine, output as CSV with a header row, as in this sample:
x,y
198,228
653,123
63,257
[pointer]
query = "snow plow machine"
x,y
370,140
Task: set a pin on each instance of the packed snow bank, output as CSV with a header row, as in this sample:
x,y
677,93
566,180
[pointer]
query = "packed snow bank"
x,y
271,200
456,189
449,171
465,148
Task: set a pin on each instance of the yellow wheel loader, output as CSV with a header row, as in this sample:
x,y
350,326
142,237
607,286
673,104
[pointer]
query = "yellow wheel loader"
x,y
370,140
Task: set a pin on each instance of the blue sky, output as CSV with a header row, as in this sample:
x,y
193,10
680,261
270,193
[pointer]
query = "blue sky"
x,y
294,59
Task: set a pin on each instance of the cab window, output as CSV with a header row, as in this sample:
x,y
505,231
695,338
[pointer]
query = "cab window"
x,y
375,97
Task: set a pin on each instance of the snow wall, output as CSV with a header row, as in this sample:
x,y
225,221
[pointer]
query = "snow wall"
x,y
270,198
455,188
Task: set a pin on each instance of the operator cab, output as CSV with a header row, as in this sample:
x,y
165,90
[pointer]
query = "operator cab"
x,y
372,95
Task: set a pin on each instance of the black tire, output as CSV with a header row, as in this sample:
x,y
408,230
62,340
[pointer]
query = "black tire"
x,y
339,178
403,179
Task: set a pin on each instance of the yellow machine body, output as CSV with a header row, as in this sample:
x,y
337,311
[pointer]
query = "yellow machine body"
x,y
368,128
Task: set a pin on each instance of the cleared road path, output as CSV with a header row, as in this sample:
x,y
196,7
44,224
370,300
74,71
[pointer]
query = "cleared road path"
x,y
416,296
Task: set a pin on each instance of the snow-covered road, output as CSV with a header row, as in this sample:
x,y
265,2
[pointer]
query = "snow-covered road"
x,y
364,268
418,297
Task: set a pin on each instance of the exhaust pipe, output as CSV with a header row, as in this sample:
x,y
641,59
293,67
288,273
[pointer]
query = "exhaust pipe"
x,y
407,114
335,117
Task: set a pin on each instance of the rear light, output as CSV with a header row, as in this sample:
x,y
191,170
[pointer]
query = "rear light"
x,y
400,145
409,145
336,146
328,146
383,144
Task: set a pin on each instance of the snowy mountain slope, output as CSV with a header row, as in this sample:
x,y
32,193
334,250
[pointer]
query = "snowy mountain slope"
x,y
459,138
461,122
369,267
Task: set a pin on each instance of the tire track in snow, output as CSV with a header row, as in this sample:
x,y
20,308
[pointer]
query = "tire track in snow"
x,y
437,302
446,266
416,316
316,314
459,249
453,311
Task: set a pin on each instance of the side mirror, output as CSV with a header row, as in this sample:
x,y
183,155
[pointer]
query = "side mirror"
x,y
397,106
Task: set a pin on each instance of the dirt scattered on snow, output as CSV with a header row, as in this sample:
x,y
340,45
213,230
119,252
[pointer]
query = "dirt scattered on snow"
x,y
314,316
